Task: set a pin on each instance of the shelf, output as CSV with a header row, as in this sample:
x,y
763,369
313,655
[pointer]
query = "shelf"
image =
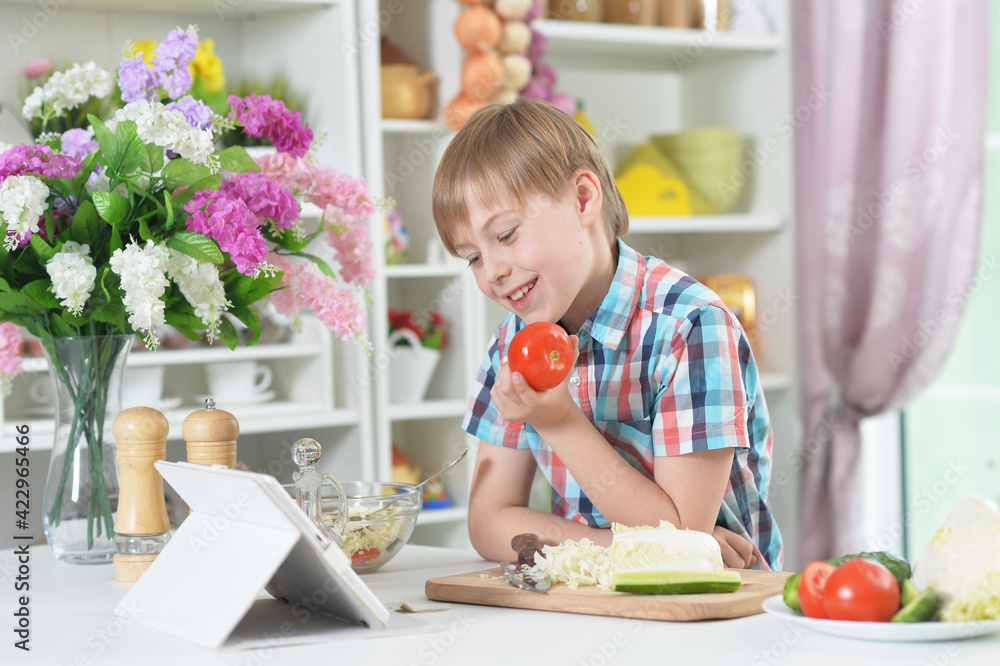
x,y
450,514
220,354
431,409
647,46
453,269
705,224
271,417
218,9
399,126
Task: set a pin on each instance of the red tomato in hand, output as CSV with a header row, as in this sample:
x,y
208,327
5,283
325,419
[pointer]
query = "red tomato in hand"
x,y
811,588
861,590
542,353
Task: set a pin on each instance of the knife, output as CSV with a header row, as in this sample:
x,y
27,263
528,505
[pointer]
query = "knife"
x,y
522,577
526,545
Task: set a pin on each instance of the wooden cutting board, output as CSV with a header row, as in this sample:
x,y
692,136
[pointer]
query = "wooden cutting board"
x,y
489,588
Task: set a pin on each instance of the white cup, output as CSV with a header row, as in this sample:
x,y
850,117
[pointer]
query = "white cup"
x,y
143,387
233,380
40,391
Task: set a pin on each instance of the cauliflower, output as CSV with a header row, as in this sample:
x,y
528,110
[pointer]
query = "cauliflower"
x,y
961,563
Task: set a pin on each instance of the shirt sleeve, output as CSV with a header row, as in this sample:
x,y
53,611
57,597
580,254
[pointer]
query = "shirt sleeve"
x,y
482,420
702,402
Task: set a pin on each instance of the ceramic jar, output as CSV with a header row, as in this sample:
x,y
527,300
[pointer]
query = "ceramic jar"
x,y
405,91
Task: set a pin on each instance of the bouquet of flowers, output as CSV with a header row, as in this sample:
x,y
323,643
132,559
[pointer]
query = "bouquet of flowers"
x,y
429,327
136,221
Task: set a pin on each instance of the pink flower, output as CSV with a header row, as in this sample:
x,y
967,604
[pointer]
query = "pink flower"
x,y
264,197
354,249
263,116
10,354
231,224
306,286
40,160
36,69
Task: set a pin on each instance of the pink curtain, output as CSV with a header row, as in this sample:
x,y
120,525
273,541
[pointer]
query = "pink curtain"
x,y
890,104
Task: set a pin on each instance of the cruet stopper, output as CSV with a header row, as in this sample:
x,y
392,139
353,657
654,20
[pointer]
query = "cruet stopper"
x,y
306,453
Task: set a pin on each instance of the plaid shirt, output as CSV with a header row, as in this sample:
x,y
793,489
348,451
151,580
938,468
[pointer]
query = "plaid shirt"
x,y
664,369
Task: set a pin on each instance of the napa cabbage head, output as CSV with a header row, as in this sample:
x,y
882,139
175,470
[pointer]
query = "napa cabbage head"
x,y
961,563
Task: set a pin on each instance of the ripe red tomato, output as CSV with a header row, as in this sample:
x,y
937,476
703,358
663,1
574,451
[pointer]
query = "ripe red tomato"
x,y
811,588
542,353
861,590
364,556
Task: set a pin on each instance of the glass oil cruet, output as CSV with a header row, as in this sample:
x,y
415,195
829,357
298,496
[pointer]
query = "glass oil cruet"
x,y
306,453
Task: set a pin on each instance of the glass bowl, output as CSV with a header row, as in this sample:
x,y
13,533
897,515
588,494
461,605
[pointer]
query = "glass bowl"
x,y
375,530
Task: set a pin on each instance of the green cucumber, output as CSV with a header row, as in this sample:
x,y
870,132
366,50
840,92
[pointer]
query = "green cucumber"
x,y
920,608
791,592
675,582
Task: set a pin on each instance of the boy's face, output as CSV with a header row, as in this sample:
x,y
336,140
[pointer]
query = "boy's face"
x,y
543,262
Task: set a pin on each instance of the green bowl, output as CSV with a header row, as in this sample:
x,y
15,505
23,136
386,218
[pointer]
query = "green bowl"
x,y
709,160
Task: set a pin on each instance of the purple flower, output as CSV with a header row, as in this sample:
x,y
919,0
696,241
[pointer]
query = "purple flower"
x,y
264,197
36,159
197,113
136,80
171,59
78,142
263,116
231,224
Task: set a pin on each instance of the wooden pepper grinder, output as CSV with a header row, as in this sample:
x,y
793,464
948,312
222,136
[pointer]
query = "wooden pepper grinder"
x,y
142,526
211,436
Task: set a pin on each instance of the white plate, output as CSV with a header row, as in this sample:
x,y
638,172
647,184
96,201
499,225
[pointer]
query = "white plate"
x,y
222,401
884,631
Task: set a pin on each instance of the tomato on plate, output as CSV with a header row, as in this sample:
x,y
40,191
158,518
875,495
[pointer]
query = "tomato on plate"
x,y
861,590
364,556
542,353
811,588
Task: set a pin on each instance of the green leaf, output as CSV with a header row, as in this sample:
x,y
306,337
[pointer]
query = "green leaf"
x,y
323,266
106,139
4,286
248,316
115,242
111,314
227,333
196,245
181,171
113,208
245,290
211,182
13,303
236,160
132,149
38,291
152,158
144,232
86,169
168,206
42,250
86,227
288,240
60,327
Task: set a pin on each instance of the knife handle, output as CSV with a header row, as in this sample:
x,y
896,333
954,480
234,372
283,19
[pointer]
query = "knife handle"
x,y
526,545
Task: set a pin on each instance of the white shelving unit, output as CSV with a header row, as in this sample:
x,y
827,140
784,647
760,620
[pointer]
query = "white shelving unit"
x,y
634,81
314,373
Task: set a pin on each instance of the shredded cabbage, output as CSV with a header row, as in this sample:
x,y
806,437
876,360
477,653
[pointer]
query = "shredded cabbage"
x,y
576,563
371,529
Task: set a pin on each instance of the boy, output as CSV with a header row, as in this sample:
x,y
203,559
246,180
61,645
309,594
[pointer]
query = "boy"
x,y
662,416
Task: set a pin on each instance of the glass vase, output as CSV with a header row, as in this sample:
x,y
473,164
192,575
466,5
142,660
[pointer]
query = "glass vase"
x,y
81,490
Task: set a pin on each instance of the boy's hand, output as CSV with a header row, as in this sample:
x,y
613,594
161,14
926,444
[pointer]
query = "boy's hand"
x,y
737,551
519,403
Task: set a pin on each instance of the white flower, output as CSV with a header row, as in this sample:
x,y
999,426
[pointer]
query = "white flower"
x,y
23,200
169,129
142,272
200,284
67,90
73,275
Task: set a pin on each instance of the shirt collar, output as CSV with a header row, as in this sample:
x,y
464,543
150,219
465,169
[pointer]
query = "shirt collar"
x,y
610,320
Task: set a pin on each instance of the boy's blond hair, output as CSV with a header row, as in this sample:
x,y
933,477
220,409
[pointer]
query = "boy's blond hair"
x,y
519,149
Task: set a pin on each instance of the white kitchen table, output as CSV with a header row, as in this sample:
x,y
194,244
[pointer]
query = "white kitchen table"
x,y
72,624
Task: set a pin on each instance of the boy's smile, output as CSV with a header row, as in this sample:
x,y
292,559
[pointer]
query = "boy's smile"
x,y
549,260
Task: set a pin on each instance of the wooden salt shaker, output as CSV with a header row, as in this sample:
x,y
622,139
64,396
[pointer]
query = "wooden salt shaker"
x,y
142,527
211,436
